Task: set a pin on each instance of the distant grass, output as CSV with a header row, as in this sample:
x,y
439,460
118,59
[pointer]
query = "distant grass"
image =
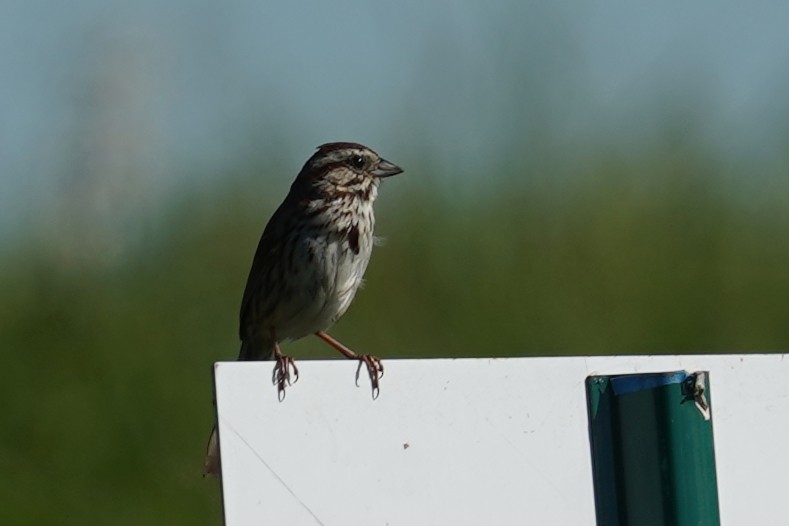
x,y
107,373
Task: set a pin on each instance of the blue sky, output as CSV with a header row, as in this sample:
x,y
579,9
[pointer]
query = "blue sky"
x,y
166,88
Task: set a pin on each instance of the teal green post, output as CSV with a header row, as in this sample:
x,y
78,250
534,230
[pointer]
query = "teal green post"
x,y
653,456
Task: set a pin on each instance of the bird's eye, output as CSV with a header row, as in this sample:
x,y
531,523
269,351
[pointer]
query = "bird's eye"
x,y
357,161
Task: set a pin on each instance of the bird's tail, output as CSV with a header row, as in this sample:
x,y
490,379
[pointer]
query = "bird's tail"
x,y
251,349
256,349
211,464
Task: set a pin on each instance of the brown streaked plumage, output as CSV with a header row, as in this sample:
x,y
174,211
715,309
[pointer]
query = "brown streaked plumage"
x,y
310,262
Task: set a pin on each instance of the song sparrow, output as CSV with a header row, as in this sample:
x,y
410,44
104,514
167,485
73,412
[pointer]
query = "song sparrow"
x,y
310,262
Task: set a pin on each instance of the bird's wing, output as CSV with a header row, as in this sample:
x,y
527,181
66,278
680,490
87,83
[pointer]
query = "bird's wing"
x,y
264,265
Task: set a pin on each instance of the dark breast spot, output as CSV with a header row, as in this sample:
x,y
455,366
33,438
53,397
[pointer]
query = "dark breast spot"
x,y
352,235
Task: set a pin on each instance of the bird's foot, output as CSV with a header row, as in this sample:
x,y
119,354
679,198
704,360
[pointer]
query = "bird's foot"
x,y
281,375
375,370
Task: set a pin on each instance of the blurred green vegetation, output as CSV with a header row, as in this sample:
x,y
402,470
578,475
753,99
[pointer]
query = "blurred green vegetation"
x,y
106,380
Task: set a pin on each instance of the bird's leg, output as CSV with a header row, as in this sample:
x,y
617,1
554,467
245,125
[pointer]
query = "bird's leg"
x,y
280,376
375,369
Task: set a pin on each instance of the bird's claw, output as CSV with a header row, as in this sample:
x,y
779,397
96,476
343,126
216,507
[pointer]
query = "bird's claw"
x,y
281,376
375,370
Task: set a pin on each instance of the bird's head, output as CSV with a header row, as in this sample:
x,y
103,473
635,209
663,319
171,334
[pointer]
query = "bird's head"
x,y
344,168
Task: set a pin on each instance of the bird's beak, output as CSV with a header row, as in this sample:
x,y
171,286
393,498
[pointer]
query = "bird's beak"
x,y
385,169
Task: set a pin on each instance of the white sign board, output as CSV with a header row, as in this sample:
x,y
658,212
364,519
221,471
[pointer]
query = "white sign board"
x,y
468,442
